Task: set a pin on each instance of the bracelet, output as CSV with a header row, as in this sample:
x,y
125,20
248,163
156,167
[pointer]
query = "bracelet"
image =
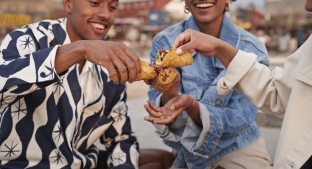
x,y
192,105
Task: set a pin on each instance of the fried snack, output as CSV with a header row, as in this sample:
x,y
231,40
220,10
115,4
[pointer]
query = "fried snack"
x,y
169,58
147,72
165,78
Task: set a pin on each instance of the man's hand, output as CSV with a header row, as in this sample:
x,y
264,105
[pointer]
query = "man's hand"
x,y
122,64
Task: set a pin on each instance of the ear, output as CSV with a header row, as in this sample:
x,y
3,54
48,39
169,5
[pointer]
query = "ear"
x,y
67,4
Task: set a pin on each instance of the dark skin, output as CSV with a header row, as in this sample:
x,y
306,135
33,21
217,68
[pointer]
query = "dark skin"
x,y
88,22
209,22
211,46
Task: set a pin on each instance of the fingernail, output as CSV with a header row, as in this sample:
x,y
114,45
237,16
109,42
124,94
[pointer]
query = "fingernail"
x,y
139,75
179,51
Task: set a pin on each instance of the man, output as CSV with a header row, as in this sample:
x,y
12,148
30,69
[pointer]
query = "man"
x,y
284,92
56,96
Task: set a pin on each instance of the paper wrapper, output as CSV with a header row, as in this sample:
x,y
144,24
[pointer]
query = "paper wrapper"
x,y
147,72
172,59
163,83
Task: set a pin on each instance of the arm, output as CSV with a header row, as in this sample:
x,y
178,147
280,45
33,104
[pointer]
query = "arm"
x,y
28,63
268,90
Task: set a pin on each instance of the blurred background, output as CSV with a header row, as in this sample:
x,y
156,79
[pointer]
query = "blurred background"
x,y
283,25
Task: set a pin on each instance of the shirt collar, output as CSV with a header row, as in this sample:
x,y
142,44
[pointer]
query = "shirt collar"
x,y
87,66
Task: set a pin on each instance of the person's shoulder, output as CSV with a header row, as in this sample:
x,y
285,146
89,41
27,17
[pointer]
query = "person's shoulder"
x,y
171,31
46,24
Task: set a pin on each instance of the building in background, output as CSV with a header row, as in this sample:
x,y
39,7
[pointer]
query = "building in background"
x,y
286,13
16,13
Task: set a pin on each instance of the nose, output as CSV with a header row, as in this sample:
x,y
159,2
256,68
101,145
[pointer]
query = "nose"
x,y
104,12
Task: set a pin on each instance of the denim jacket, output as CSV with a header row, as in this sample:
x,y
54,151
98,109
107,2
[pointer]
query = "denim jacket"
x,y
228,121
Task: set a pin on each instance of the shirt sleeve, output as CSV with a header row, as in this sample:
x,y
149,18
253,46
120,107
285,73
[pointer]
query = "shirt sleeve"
x,y
268,90
24,66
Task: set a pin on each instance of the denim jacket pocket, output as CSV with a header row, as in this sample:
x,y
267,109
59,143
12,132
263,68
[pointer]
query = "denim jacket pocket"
x,y
212,97
193,86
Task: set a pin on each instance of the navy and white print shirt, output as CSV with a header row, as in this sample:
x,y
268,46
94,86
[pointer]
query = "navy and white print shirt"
x,y
51,121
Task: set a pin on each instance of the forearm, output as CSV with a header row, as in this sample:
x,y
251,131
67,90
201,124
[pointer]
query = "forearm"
x,y
225,52
193,112
68,55
169,94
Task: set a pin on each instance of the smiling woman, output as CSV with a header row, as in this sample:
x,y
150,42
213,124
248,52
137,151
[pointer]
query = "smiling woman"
x,y
216,131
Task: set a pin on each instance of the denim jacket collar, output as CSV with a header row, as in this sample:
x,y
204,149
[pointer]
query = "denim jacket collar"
x,y
228,33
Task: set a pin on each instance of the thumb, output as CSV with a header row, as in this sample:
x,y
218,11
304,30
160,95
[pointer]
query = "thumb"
x,y
177,105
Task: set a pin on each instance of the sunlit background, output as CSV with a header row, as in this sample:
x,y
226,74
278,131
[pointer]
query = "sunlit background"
x,y
137,21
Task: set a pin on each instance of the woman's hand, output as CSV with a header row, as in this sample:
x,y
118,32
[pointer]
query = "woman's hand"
x,y
167,113
194,41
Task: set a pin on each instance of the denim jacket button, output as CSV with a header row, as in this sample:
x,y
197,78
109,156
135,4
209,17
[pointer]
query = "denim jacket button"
x,y
218,102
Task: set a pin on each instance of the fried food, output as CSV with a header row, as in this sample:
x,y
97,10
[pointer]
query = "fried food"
x,y
165,78
169,58
147,72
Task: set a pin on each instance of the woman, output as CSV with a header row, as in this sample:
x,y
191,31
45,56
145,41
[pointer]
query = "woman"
x,y
209,130
284,92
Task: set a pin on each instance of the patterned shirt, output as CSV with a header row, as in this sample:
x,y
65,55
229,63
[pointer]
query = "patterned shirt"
x,y
50,120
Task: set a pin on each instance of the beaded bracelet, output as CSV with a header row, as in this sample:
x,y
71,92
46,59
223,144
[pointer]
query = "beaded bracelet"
x,y
192,105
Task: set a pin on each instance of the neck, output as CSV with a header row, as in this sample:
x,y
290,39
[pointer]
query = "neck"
x,y
211,28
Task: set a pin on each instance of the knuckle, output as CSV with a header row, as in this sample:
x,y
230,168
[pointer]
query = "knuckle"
x,y
131,65
113,73
122,69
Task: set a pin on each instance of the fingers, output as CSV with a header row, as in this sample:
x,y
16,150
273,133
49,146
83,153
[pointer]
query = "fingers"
x,y
182,42
113,73
153,110
134,64
160,120
120,68
180,103
126,64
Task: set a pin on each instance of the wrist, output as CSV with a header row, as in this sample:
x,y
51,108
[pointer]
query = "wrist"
x,y
225,52
190,107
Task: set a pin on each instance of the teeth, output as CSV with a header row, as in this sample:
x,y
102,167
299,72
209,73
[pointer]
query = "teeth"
x,y
99,26
204,5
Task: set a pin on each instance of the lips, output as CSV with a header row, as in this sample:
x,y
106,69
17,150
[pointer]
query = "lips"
x,y
98,28
204,5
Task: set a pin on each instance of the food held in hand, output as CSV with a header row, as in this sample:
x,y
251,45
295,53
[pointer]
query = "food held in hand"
x,y
165,78
169,58
147,72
